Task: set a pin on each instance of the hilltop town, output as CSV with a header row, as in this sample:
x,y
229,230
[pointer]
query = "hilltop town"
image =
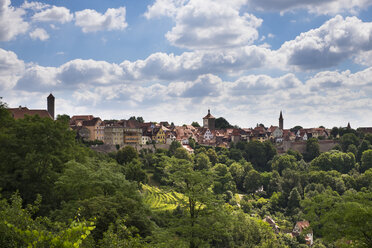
x,y
136,132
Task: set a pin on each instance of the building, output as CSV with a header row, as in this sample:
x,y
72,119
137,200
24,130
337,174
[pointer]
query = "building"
x,y
51,107
132,132
281,121
21,112
95,128
303,226
209,121
114,134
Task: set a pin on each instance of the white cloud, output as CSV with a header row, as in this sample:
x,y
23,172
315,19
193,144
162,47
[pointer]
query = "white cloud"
x,y
336,40
34,5
11,21
39,33
327,7
53,14
91,21
164,8
11,69
207,24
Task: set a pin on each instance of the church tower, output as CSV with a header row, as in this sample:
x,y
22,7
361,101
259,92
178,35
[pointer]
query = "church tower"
x,y
209,121
281,124
50,101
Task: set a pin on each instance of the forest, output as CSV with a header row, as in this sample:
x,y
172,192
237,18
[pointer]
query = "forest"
x,y
56,192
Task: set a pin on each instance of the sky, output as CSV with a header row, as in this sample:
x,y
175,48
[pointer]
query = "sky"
x,y
172,60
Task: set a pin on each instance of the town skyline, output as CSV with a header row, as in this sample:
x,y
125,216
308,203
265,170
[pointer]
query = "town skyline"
x,y
246,60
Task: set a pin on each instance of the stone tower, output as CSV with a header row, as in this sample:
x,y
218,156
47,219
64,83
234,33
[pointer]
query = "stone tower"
x,y
209,121
50,101
281,124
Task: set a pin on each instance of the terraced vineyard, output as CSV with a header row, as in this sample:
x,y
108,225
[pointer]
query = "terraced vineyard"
x,y
159,200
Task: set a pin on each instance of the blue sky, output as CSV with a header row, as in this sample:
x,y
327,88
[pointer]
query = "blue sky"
x,y
173,59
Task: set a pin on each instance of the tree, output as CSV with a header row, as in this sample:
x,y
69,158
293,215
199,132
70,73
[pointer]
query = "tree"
x,y
140,119
33,152
198,200
223,180
348,139
126,155
334,132
283,162
294,199
252,181
173,146
353,149
334,160
259,154
64,118
312,149
182,153
212,156
296,154
364,145
195,124
133,171
295,129
366,160
222,123
341,218
202,162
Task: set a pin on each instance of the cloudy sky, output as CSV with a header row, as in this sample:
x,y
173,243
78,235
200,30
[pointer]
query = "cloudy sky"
x,y
173,59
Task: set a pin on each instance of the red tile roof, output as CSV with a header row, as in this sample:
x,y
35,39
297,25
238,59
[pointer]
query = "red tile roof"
x,y
20,112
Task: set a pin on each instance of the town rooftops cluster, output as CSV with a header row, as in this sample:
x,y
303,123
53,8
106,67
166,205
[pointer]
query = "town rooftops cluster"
x,y
133,132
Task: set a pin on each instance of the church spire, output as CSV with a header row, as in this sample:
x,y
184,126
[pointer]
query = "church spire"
x,y
281,120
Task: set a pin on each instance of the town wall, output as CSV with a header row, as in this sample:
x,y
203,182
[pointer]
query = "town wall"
x,y
300,146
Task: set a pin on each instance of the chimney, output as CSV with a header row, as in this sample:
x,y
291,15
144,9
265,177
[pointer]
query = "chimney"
x,y
50,101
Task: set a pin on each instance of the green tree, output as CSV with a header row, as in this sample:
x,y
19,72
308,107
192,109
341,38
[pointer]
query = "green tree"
x,y
194,184
223,180
296,154
222,123
252,181
202,162
294,199
295,129
366,160
133,171
341,218
212,156
173,146
334,160
182,153
364,145
348,139
312,149
283,162
126,155
33,151
195,124
353,149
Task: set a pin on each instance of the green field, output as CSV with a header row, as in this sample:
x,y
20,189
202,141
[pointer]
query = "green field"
x,y
159,200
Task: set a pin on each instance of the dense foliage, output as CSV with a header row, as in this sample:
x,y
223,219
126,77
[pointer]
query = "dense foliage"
x,y
56,192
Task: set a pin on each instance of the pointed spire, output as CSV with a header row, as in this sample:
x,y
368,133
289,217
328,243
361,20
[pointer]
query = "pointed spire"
x,y
209,111
281,115
348,125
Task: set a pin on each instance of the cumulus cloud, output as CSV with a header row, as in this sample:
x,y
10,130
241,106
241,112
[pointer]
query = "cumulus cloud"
x,y
336,40
92,21
164,8
11,21
207,24
39,33
53,14
34,5
327,7
11,69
